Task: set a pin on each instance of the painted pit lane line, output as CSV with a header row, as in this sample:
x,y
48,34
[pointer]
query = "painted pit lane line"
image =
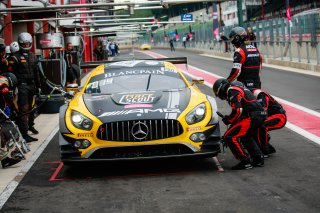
x,y
301,120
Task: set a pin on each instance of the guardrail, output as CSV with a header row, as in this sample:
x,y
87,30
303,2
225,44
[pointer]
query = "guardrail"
x,y
297,51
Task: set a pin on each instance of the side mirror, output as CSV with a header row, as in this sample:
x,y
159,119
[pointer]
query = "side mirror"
x,y
197,80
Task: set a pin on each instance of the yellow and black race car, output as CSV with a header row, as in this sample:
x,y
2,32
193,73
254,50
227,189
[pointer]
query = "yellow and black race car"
x,y
145,47
138,109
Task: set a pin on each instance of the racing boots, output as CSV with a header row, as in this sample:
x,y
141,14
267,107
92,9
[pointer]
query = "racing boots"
x,y
258,161
33,130
28,138
9,162
268,151
244,164
271,149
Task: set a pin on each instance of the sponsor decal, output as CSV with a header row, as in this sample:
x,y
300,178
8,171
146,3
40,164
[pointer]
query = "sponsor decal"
x,y
249,84
237,65
187,17
142,98
253,55
137,106
45,41
166,69
134,72
85,134
140,111
250,46
192,129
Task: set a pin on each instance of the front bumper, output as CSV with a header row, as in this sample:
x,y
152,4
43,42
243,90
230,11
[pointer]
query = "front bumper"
x,y
163,151
209,148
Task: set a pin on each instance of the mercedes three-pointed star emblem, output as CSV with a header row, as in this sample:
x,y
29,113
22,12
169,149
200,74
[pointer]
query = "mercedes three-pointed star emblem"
x,y
139,130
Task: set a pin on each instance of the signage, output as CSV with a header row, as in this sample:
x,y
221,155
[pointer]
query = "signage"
x,y
186,17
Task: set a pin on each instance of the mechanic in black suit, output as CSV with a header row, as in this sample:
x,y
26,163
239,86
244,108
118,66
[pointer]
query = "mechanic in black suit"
x,y
247,60
23,64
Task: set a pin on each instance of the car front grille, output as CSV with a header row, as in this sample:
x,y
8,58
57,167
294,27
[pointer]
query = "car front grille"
x,y
141,151
139,130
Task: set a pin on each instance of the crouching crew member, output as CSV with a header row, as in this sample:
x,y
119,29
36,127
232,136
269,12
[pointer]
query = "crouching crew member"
x,y
277,119
246,117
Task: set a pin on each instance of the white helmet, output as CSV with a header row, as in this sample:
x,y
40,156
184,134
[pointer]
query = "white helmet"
x,y
14,47
25,41
7,50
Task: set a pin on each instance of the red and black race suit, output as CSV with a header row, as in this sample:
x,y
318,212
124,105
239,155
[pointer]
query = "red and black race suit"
x,y
246,117
277,117
247,61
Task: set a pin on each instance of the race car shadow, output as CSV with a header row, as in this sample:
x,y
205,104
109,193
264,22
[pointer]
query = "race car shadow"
x,y
135,169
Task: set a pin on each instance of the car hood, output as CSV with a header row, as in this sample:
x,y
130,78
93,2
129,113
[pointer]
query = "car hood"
x,y
138,105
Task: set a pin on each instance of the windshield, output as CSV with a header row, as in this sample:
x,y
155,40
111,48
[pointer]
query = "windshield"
x,y
135,80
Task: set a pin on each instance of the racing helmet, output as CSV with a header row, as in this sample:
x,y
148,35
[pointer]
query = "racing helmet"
x,y
220,87
237,36
8,50
14,47
11,79
25,41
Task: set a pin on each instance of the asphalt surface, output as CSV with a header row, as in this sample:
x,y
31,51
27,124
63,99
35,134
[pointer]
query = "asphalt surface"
x,y
289,181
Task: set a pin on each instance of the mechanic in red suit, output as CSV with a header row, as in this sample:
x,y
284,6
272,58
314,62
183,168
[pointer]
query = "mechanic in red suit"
x,y
277,119
246,117
247,60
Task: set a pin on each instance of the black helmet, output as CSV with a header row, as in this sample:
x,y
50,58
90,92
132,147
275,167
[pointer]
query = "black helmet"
x,y
12,80
237,36
220,88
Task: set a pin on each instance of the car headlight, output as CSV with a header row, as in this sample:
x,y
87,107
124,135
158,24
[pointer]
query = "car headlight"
x,y
197,114
80,121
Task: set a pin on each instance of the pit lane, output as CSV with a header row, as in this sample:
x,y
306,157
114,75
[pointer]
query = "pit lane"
x,y
288,182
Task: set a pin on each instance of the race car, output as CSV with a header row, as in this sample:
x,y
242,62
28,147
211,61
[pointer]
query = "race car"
x,y
145,47
139,109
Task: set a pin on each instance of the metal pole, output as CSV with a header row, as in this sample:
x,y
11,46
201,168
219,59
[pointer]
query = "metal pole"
x,y
273,50
317,49
299,54
240,14
290,39
308,56
72,6
262,12
281,48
